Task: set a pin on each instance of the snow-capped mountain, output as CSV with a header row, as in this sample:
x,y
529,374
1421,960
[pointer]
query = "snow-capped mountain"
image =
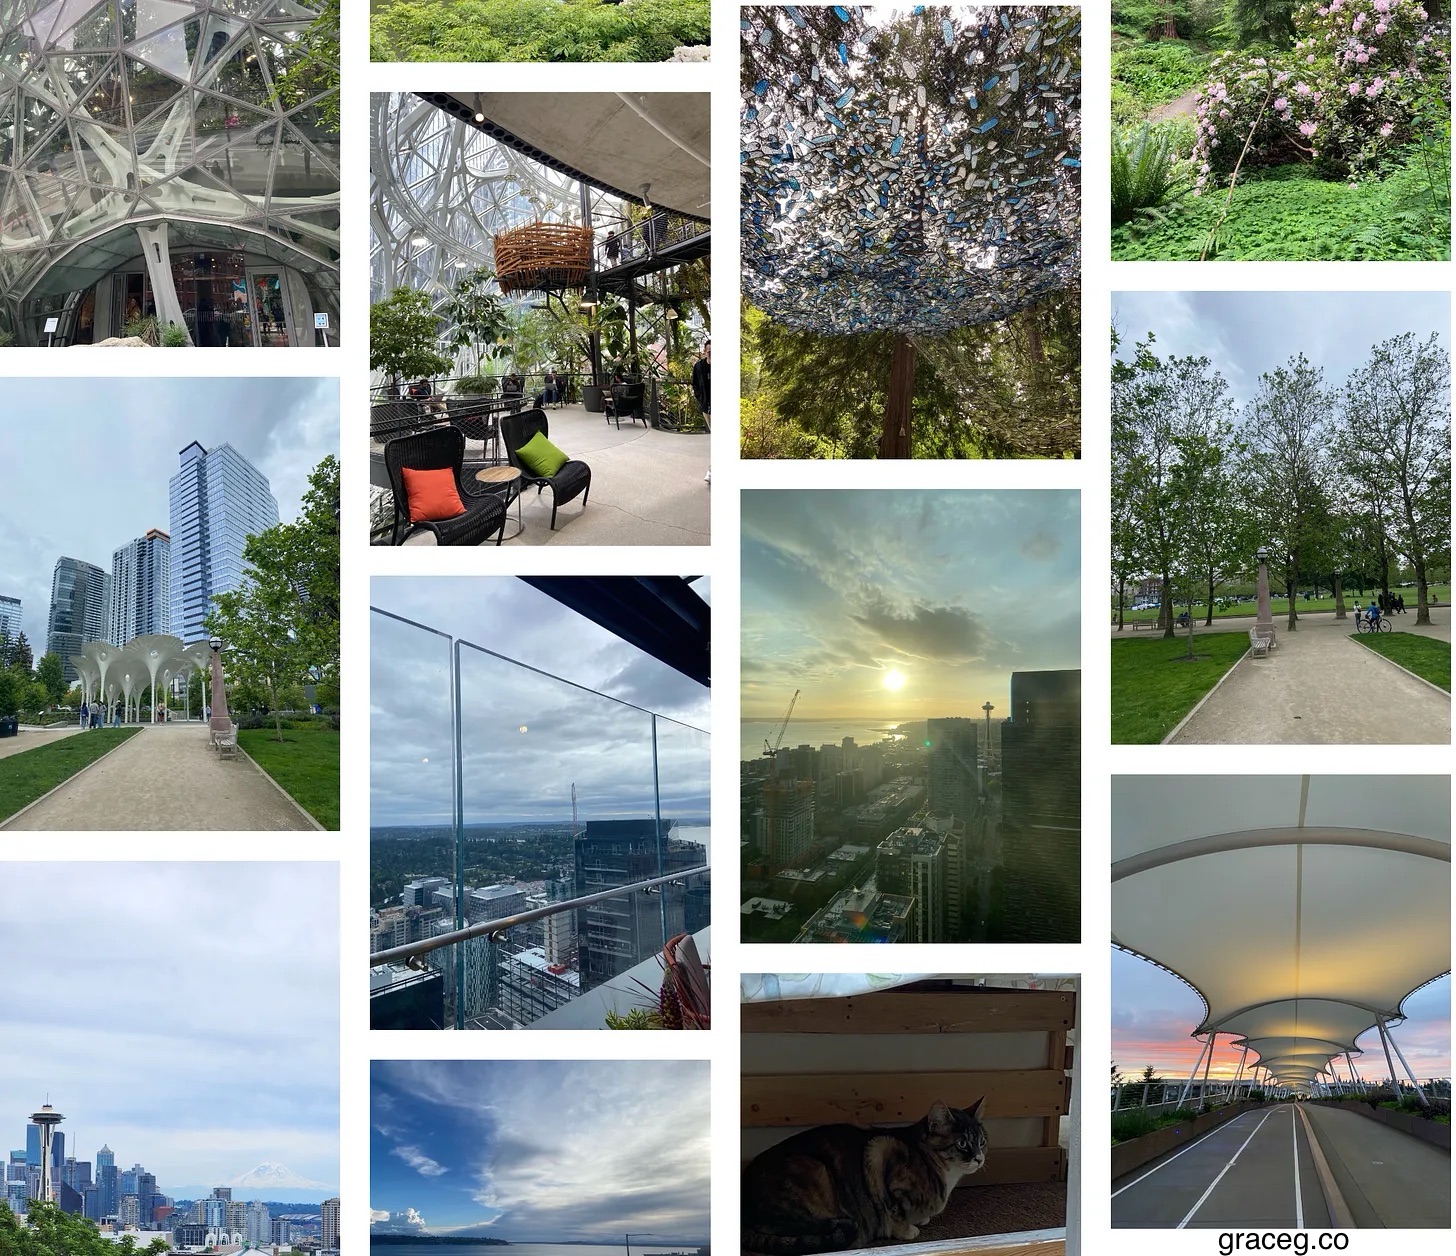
x,y
270,1177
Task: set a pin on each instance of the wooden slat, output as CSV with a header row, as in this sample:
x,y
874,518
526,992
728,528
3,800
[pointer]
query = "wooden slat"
x,y
883,1098
940,1012
1056,1056
1016,1165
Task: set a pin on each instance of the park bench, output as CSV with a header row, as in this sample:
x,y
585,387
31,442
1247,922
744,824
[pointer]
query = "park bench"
x,y
1261,640
227,743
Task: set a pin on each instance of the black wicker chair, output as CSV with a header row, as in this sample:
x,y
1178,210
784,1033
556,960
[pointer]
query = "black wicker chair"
x,y
626,399
442,447
572,480
477,418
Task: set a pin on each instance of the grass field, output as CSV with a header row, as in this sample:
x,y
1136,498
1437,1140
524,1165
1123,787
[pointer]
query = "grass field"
x,y
26,776
1152,690
1425,656
1280,606
305,763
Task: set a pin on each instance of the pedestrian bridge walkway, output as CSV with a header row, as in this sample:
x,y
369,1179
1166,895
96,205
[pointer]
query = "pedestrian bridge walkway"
x,y
1291,1166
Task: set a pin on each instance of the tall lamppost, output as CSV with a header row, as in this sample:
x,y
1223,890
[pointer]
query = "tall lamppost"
x,y
221,721
1264,619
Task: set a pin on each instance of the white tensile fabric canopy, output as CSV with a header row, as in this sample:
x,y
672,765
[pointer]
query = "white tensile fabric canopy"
x,y
618,140
1301,909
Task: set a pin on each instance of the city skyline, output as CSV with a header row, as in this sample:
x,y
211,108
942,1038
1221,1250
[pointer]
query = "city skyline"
x,y
900,605
119,440
520,727
219,1053
1154,1013
461,1147
1244,334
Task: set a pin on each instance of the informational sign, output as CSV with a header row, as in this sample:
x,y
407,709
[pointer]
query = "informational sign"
x,y
320,322
53,325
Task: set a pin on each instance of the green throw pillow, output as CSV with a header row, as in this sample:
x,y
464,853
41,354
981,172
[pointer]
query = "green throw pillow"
x,y
540,457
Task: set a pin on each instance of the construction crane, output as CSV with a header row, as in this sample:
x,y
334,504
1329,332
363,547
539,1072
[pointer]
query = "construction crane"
x,y
770,750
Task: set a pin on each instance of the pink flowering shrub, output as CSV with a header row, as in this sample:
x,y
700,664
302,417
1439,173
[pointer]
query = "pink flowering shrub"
x,y
1343,97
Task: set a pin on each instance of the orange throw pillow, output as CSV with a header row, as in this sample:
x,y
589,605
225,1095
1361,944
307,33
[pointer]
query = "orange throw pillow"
x,y
432,495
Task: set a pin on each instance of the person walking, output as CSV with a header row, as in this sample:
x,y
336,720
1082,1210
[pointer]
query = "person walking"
x,y
703,391
85,714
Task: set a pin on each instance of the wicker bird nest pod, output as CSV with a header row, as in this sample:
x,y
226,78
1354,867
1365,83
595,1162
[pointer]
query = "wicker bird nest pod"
x,y
542,257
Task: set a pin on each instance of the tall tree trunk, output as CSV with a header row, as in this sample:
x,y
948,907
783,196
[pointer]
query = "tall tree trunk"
x,y
1291,579
895,439
1339,597
1121,601
1423,607
1165,606
1208,622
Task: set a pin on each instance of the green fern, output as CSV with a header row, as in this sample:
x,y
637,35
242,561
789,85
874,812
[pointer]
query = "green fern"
x,y
1146,174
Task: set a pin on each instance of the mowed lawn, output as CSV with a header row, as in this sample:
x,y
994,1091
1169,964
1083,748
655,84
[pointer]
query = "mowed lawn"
x,y
1427,657
24,777
1280,606
1152,690
305,763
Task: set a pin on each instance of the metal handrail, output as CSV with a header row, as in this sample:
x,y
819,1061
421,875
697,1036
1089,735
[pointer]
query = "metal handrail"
x,y
497,930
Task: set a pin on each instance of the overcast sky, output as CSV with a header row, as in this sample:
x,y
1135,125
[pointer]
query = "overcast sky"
x,y
184,1014
905,605
87,462
1244,334
1153,1014
536,1151
527,737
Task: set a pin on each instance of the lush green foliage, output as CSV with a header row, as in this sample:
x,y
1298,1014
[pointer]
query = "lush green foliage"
x,y
1427,657
1279,604
1005,389
536,30
312,66
1154,685
24,777
174,337
1135,1122
1343,98
403,337
51,1232
1153,73
1146,173
305,763
281,626
479,318
1292,215
1260,22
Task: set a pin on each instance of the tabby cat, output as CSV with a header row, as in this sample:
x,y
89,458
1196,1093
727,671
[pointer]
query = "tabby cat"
x,y
840,1186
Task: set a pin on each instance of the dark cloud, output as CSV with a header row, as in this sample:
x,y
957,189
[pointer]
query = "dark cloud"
x,y
947,634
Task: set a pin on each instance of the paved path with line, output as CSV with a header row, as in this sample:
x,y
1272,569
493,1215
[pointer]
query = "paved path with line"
x,y
1388,1178
1241,1175
169,778
30,739
1319,687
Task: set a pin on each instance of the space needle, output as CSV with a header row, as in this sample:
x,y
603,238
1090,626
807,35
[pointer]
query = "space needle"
x,y
47,1118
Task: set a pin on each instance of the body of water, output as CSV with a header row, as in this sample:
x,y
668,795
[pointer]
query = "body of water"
x,y
525,1249
753,733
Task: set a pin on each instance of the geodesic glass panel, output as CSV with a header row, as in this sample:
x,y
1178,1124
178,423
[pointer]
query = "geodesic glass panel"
x,y
115,112
910,171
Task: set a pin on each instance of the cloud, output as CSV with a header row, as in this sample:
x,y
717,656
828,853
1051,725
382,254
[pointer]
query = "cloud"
x,y
1041,546
944,634
406,1222
419,1162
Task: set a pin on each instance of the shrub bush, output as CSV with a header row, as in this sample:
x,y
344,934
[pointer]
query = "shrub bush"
x,y
1158,72
1342,99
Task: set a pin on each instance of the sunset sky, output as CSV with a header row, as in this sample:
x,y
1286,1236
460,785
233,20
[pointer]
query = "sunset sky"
x,y
1153,1014
905,605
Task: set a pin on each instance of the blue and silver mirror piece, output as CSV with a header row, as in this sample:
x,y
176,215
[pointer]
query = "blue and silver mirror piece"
x,y
914,171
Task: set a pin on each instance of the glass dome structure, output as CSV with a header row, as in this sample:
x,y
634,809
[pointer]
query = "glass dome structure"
x,y
152,164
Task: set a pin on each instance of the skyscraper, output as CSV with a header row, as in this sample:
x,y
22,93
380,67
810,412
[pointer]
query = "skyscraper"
x,y
79,595
619,933
217,500
10,618
141,588
330,1231
910,863
258,1223
1041,809
953,768
107,1193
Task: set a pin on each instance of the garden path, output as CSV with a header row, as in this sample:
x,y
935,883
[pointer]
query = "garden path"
x,y
1185,106
1321,688
167,778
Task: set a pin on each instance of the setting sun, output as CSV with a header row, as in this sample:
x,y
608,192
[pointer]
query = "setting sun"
x,y
894,679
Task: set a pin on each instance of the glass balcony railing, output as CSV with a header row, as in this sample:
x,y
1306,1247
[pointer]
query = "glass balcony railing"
x,y
533,842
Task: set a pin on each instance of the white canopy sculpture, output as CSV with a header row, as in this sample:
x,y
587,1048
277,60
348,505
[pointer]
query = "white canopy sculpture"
x,y
1302,910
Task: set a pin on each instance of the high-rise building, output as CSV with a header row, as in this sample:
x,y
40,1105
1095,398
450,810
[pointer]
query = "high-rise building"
x,y
141,588
32,1144
282,1230
10,617
619,933
108,1187
222,1192
258,1224
217,500
910,863
80,592
237,1216
330,1231
1041,809
953,766
785,822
